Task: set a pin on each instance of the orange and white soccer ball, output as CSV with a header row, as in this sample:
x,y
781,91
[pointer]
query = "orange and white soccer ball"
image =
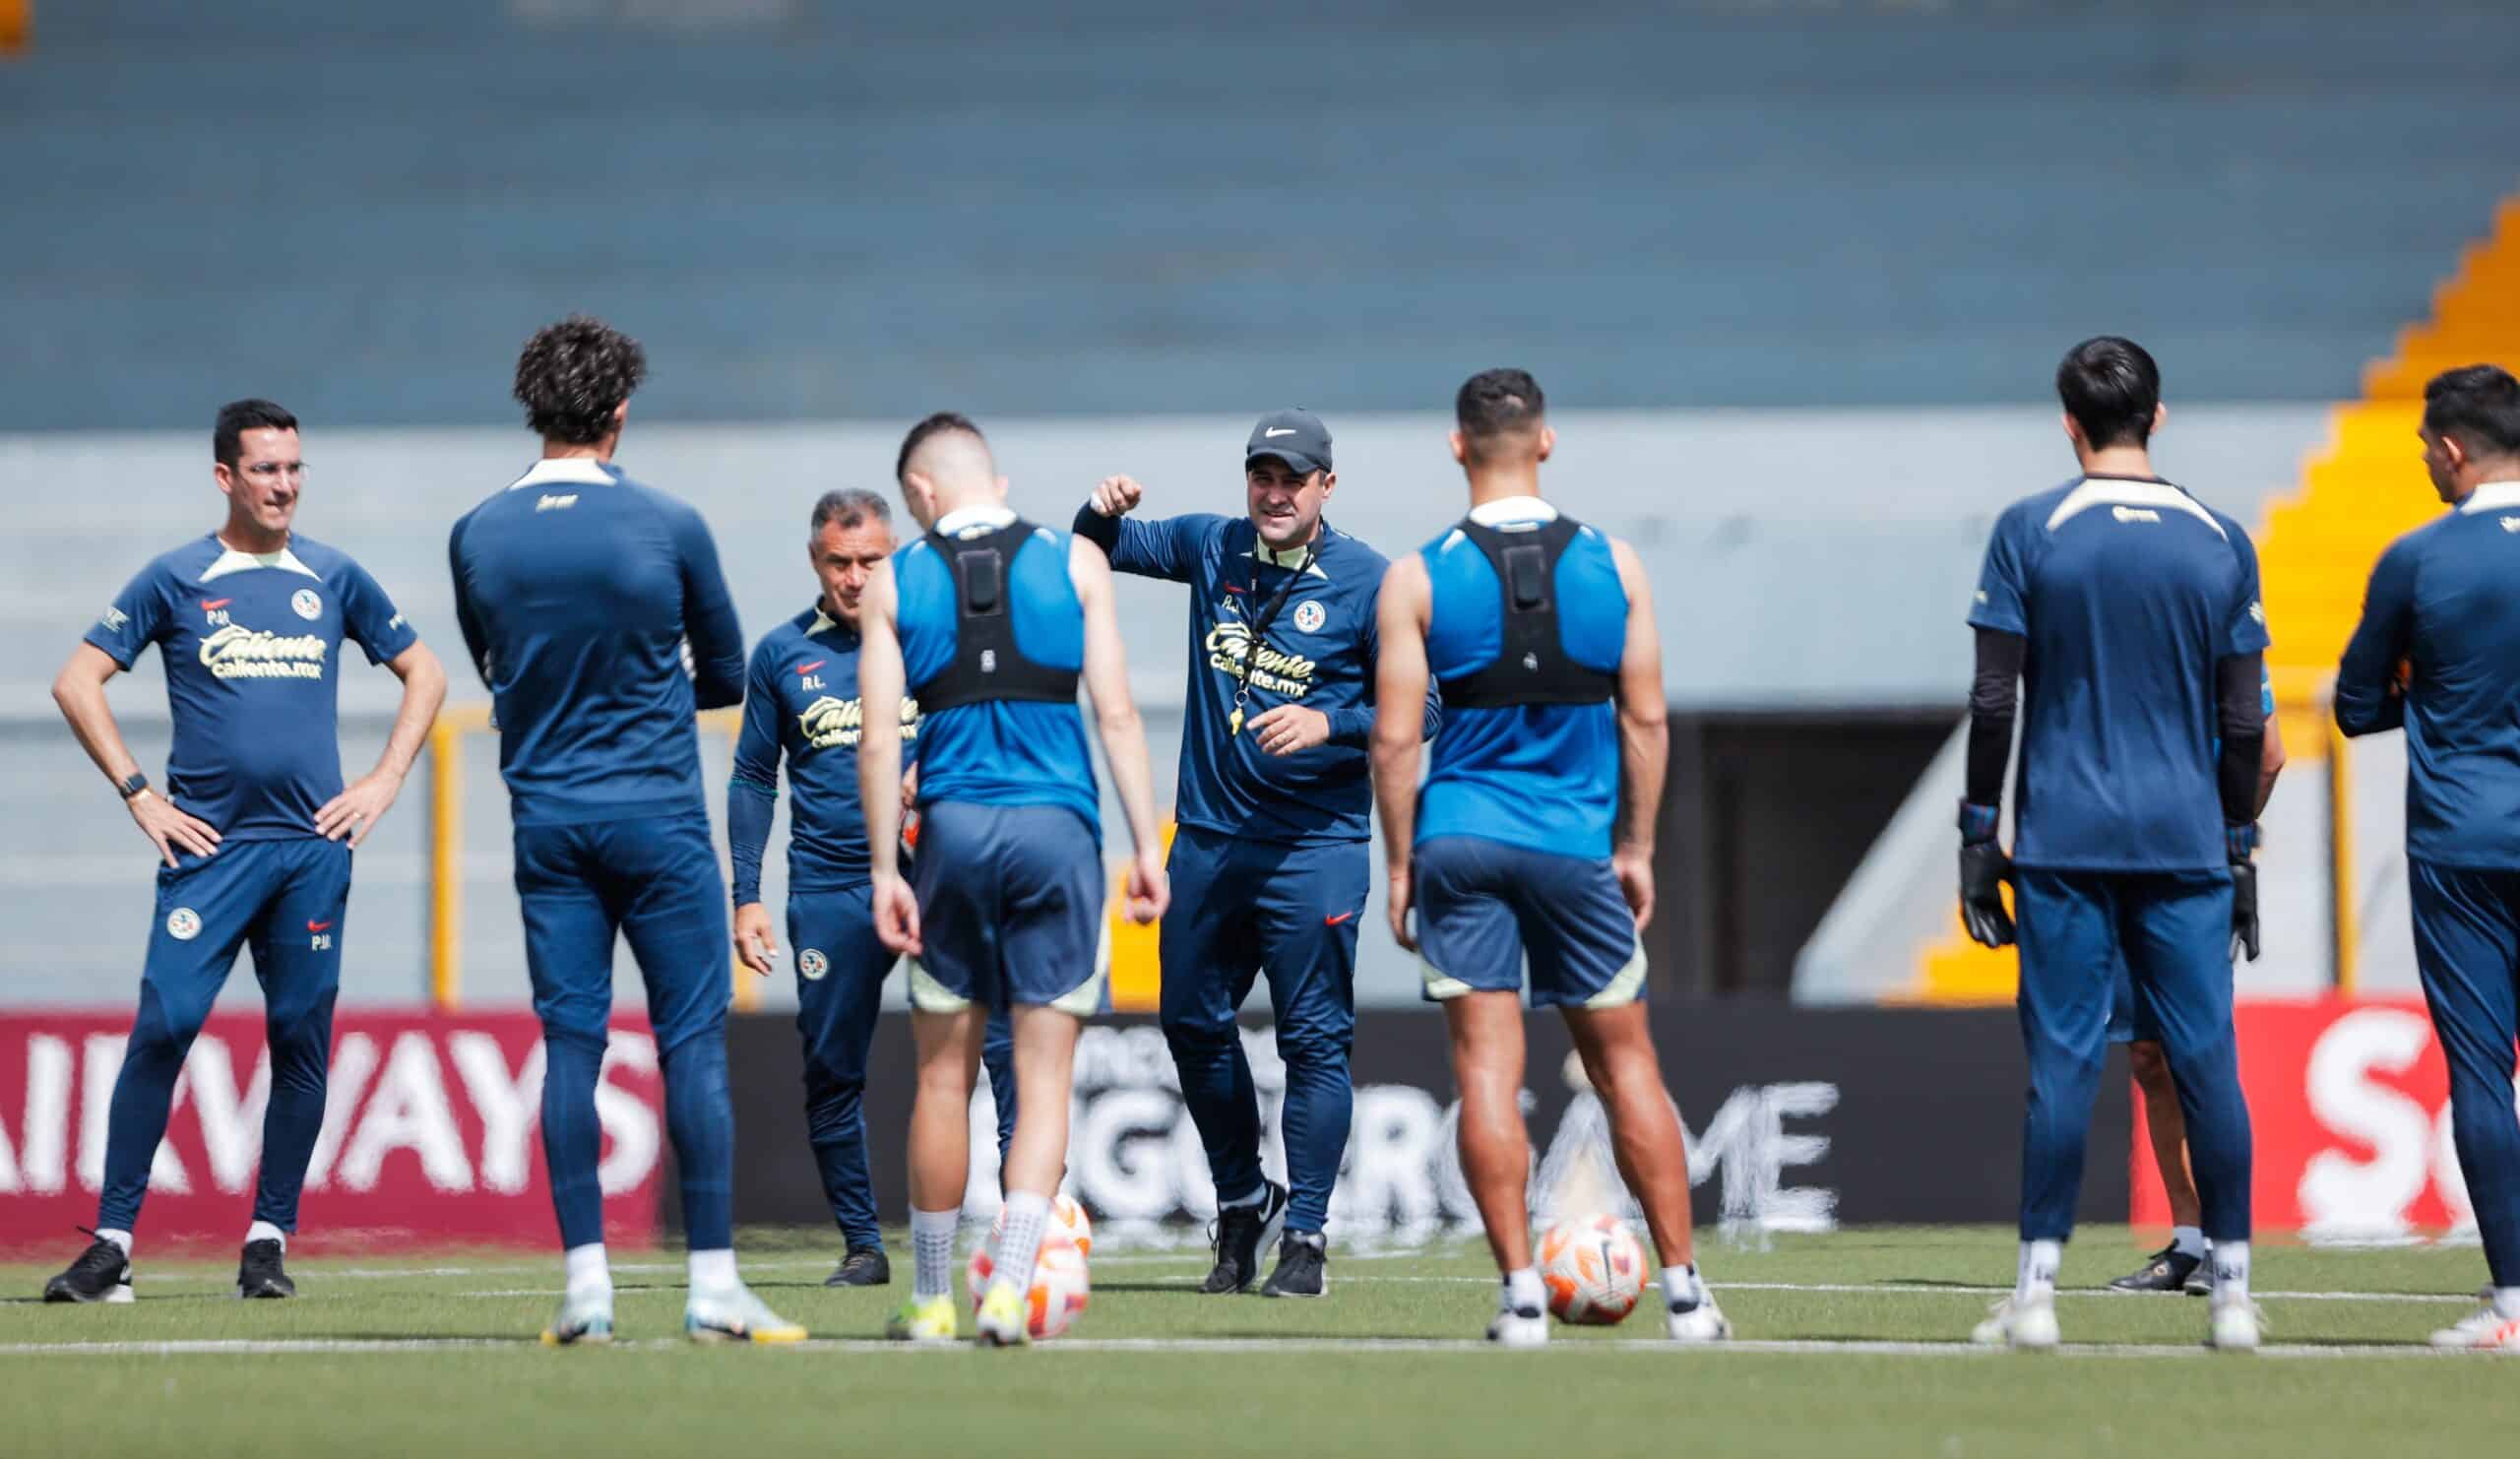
x,y
1067,1218
1059,1286
1594,1268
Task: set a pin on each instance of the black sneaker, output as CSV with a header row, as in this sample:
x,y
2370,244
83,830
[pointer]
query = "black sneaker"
x,y
864,1266
2168,1270
259,1274
1241,1232
1303,1266
100,1274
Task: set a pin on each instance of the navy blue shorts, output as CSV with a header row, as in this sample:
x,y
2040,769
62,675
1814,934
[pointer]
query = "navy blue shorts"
x,y
285,899
654,880
1486,908
1010,909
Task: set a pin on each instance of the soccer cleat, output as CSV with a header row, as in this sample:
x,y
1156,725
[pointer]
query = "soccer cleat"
x,y
259,1273
100,1274
1519,1327
2025,1326
736,1315
1303,1266
2167,1270
1701,1321
2237,1321
2484,1331
929,1321
864,1266
1005,1320
585,1316
1241,1232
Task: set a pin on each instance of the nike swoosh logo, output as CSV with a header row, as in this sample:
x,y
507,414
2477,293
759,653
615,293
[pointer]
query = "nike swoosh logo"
x,y
1332,921
317,926
1275,431
810,667
210,606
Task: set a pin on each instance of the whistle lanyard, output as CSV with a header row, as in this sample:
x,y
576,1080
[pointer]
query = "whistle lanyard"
x,y
1261,620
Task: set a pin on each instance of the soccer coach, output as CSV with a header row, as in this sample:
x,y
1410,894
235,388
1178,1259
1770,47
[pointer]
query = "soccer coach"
x,y
1268,864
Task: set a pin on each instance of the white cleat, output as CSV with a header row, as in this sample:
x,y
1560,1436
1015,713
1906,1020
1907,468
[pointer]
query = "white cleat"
x,y
2485,1331
736,1315
585,1316
2237,1324
2023,1325
1703,1324
1523,1327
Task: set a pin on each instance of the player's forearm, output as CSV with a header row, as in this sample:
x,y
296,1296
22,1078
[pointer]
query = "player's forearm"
x,y
1992,697
424,694
1397,751
2270,764
1103,531
1124,736
92,722
750,808
1644,750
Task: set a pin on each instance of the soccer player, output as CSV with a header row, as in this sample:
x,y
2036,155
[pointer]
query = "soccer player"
x,y
989,622
2180,1265
595,610
1269,864
2129,612
254,828
801,704
2438,653
1533,837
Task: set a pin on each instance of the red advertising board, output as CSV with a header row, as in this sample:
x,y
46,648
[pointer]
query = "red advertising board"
x,y
2350,1105
432,1132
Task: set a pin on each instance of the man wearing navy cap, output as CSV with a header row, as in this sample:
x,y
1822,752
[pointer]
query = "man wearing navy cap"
x,y
1268,864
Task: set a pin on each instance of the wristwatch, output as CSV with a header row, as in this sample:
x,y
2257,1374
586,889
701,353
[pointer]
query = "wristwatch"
x,y
134,786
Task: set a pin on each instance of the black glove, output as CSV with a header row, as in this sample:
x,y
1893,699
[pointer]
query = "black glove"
x,y
2240,841
1984,869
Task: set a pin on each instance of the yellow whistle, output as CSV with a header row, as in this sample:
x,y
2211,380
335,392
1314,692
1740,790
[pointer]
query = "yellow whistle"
x,y
1234,725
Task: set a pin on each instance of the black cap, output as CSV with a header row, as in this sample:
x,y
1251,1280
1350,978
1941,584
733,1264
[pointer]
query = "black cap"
x,y
1295,437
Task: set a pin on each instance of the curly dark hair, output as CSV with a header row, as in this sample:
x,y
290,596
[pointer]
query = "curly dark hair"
x,y
573,375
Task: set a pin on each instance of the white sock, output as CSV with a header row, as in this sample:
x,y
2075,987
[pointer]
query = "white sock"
x,y
1681,1289
120,1238
2038,1263
2189,1240
587,1267
714,1270
1253,1199
1019,1245
1523,1293
2231,1269
931,1246
2506,1303
264,1231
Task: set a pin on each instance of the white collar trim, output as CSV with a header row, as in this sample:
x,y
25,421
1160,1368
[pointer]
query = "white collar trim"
x,y
822,621
2101,491
2492,496
231,560
989,514
575,470
1506,509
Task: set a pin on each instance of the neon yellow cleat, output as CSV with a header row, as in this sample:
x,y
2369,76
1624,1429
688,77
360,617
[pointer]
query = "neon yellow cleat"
x,y
735,1316
1005,1318
928,1321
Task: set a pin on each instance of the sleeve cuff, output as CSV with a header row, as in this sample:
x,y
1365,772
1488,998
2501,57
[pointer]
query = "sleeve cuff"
x,y
2240,842
1977,822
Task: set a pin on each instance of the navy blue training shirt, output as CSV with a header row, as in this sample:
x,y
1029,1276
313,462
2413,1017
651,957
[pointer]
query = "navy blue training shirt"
x,y
2446,601
801,704
2128,590
577,588
1319,653
252,647
1543,777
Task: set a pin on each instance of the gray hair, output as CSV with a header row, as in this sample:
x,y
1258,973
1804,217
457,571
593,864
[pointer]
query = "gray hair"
x,y
851,507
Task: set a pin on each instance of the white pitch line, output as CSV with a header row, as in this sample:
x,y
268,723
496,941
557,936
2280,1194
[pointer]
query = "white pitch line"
x,y
267,1346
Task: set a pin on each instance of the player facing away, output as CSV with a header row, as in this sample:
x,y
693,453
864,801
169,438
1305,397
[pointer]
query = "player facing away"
x,y
1534,836
2438,653
1270,861
2130,614
2180,1265
254,829
580,592
801,706
989,622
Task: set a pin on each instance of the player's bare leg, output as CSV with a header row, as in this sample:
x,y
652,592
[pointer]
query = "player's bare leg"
x,y
940,1152
1036,1161
1497,1153
1618,1050
2180,1265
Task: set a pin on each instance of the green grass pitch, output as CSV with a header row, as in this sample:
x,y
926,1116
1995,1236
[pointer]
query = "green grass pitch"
x,y
1851,1344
